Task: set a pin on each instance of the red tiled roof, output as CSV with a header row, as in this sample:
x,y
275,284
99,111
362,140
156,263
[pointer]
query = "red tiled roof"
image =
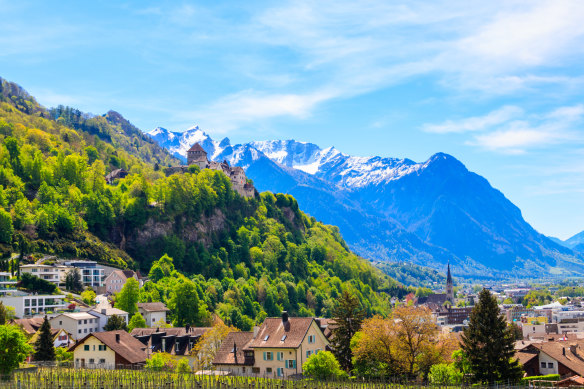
x,y
153,307
225,354
30,326
129,348
272,331
197,147
562,352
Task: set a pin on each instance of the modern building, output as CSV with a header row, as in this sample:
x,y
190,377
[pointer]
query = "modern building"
x,y
7,283
153,313
108,350
52,273
91,274
33,304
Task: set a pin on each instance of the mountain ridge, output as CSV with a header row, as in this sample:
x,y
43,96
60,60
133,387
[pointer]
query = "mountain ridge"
x,y
397,209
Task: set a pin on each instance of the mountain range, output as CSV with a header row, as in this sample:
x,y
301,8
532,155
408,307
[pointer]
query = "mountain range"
x,y
575,243
388,209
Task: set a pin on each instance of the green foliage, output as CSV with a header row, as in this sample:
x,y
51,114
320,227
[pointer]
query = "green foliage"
x,y
6,229
445,374
35,284
548,377
44,346
88,296
62,355
114,323
137,321
348,316
14,346
73,280
537,297
185,304
488,343
160,362
127,299
183,366
322,366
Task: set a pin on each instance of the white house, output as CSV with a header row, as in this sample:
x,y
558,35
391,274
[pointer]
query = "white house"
x,y
31,304
78,324
153,313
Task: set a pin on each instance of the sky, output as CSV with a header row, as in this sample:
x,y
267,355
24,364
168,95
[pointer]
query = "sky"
x,y
497,84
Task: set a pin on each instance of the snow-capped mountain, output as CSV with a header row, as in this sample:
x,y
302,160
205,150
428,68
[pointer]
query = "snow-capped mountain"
x,y
426,212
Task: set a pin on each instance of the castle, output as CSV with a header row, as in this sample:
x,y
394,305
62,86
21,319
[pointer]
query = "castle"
x,y
197,156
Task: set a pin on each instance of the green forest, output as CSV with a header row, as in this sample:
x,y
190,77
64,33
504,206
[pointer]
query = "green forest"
x,y
243,259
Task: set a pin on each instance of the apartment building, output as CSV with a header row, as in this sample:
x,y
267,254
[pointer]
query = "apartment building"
x,y
27,305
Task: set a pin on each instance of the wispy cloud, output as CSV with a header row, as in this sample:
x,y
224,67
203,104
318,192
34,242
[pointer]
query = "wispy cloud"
x,y
477,123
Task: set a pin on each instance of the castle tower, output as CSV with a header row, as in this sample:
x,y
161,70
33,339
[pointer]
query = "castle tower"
x,y
197,156
449,286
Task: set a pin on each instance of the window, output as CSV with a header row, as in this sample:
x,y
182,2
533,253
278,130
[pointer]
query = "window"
x,y
102,361
280,356
102,347
86,347
550,365
60,322
91,360
284,338
85,330
291,364
268,356
266,337
79,331
311,338
255,370
280,372
268,370
308,353
543,365
93,347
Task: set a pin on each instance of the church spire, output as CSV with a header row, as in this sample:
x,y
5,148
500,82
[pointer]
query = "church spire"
x,y
448,275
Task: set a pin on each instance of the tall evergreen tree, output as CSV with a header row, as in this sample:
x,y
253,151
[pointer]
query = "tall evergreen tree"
x,y
73,281
348,316
44,346
3,314
488,343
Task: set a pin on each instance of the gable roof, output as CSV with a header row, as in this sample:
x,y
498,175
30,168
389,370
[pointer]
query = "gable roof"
x,y
54,333
176,331
129,348
570,354
196,147
30,326
274,329
225,354
123,273
153,307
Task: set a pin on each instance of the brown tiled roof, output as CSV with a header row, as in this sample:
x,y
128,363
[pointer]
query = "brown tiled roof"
x,y
326,325
274,329
30,326
175,341
225,354
129,348
153,307
524,357
577,380
561,352
176,331
196,147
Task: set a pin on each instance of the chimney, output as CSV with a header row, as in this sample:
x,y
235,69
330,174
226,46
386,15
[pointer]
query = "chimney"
x,y
573,348
256,330
117,338
103,311
187,328
235,352
563,351
284,316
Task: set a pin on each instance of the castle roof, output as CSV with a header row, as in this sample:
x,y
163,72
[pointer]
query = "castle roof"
x,y
197,147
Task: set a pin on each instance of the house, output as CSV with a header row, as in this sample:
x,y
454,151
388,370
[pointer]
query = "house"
x,y
29,326
26,305
177,341
78,324
565,358
153,313
61,338
116,280
104,311
571,381
55,274
91,274
452,315
278,348
230,357
115,175
108,350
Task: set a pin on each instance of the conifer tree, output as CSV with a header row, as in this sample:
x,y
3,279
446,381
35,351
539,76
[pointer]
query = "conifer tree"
x,y
348,317
114,323
44,346
488,343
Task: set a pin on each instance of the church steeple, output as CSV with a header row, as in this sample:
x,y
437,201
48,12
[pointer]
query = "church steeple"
x,y
449,286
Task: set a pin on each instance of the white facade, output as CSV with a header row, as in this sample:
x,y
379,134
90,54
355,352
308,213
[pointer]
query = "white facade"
x,y
103,313
78,324
6,284
30,305
54,274
91,274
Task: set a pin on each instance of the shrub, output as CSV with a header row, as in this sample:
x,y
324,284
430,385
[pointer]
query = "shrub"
x,y
548,377
445,374
322,366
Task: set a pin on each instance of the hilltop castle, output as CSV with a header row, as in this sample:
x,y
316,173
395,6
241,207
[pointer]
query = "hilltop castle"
x,y
197,156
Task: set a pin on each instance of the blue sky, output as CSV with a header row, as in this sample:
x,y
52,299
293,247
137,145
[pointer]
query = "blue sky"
x,y
497,84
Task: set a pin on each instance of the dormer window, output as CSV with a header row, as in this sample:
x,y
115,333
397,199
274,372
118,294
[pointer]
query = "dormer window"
x,y
266,337
284,338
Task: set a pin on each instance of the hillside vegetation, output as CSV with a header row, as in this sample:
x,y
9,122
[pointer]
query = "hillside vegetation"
x,y
247,258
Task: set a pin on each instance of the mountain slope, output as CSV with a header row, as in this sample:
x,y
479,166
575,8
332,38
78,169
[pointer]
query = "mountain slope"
x,y
397,209
247,258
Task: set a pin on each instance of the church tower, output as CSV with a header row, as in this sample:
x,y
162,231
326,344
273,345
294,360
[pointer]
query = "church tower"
x,y
196,155
449,286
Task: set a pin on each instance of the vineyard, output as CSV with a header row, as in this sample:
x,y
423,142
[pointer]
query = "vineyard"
x,y
46,378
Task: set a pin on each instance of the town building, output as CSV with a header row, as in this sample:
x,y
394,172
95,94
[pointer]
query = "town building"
x,y
103,312
153,313
7,283
91,274
78,324
61,338
26,305
108,350
278,348
452,315
177,341
52,273
565,358
116,280
197,156
231,358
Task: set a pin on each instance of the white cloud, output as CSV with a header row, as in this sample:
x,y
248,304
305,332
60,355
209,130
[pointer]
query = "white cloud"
x,y
559,126
477,123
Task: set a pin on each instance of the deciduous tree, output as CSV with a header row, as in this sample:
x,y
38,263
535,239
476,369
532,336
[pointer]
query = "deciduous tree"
x,y
127,299
14,346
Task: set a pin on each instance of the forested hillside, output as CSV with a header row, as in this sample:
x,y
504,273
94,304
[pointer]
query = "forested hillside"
x,y
245,258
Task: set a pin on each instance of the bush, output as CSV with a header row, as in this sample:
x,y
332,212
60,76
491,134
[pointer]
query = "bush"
x,y
322,366
548,377
34,284
445,374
